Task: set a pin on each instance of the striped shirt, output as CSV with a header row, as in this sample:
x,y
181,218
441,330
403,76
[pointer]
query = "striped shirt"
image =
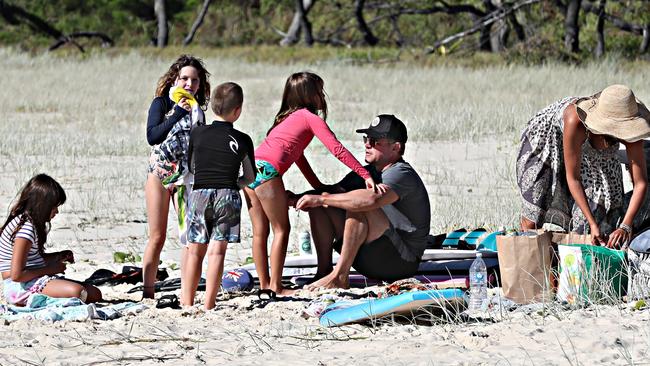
x,y
34,258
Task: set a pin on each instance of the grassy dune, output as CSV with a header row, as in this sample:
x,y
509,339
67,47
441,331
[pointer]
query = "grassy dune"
x,y
83,121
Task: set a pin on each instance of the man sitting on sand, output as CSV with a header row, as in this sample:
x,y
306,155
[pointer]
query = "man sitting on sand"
x,y
382,235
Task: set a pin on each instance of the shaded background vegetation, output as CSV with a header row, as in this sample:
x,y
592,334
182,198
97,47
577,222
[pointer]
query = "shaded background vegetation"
x,y
536,32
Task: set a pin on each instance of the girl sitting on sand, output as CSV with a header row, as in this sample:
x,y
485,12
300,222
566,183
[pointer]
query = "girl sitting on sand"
x,y
295,125
26,268
568,171
168,131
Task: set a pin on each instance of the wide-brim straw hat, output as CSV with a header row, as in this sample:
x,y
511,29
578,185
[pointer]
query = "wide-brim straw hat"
x,y
615,112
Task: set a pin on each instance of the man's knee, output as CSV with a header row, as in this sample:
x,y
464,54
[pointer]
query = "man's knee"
x,y
375,221
360,216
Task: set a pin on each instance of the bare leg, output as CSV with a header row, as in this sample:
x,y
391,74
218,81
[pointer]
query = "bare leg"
x,y
260,236
185,249
63,288
274,202
360,228
157,199
184,255
326,225
216,256
527,224
194,261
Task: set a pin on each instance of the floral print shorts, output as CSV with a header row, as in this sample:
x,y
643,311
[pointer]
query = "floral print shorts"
x,y
160,166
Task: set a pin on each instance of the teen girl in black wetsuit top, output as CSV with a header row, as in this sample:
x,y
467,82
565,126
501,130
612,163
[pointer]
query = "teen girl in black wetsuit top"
x,y
165,119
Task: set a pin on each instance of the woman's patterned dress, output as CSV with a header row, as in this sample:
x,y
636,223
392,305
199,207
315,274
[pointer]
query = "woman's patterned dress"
x,y
541,176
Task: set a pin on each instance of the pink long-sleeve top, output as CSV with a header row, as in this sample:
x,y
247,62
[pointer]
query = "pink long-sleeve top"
x,y
287,142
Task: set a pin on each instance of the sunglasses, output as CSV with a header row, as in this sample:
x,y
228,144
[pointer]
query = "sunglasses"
x,y
374,141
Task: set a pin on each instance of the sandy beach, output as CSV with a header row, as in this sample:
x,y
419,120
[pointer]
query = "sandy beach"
x,y
463,143
277,333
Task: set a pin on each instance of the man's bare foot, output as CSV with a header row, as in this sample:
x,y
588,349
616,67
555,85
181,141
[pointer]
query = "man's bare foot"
x,y
330,281
316,277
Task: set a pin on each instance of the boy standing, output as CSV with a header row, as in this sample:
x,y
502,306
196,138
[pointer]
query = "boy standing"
x,y
216,152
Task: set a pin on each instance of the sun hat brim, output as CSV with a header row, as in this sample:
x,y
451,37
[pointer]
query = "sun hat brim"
x,y
629,129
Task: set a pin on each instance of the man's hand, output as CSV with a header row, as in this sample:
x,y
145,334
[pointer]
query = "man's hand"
x,y
308,201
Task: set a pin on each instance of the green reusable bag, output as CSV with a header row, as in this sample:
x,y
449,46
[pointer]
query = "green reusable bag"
x,y
590,273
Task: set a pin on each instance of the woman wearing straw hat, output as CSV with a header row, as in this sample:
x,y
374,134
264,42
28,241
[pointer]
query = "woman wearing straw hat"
x,y
568,171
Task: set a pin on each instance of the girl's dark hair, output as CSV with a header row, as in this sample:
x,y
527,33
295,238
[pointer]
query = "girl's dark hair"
x,y
167,80
36,200
302,90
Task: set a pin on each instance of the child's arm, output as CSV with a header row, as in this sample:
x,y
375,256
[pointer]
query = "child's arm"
x,y
18,272
248,165
308,172
62,256
322,131
158,124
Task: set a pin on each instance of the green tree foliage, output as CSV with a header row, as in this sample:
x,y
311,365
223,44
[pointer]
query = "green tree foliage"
x,y
407,24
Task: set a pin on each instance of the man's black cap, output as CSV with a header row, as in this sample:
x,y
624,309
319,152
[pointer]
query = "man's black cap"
x,y
386,126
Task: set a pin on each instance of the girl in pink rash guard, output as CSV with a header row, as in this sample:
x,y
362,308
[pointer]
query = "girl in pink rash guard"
x,y
295,126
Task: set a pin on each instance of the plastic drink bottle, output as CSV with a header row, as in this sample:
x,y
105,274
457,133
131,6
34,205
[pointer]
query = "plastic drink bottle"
x,y
304,242
477,284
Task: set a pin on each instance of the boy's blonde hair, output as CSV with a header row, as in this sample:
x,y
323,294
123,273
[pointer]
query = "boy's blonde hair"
x,y
226,98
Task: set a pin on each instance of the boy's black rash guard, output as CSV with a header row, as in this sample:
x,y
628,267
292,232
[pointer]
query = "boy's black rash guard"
x,y
215,154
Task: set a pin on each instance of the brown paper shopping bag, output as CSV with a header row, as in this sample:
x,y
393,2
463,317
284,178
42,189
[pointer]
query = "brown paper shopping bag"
x,y
571,238
525,267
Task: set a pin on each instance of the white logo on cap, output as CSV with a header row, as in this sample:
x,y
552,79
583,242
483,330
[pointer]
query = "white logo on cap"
x,y
375,122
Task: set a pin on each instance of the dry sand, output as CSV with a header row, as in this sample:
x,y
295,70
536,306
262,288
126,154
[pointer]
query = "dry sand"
x,y
278,335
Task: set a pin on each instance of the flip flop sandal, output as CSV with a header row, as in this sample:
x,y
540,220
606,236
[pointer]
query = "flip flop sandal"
x,y
264,297
267,296
168,285
168,301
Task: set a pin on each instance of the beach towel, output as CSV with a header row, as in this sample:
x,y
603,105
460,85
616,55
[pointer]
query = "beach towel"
x,y
44,308
174,149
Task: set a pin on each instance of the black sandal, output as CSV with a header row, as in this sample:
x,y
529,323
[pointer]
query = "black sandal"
x,y
267,296
168,301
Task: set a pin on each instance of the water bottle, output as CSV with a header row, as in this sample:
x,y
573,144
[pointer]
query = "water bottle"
x,y
304,243
477,284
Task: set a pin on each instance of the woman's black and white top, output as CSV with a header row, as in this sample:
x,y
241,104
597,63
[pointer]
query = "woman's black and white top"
x,y
26,231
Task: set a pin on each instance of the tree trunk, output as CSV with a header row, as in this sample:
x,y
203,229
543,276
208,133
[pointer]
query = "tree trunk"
x,y
293,34
197,23
480,25
163,32
571,27
398,33
600,30
368,37
305,25
499,36
485,37
519,30
646,39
